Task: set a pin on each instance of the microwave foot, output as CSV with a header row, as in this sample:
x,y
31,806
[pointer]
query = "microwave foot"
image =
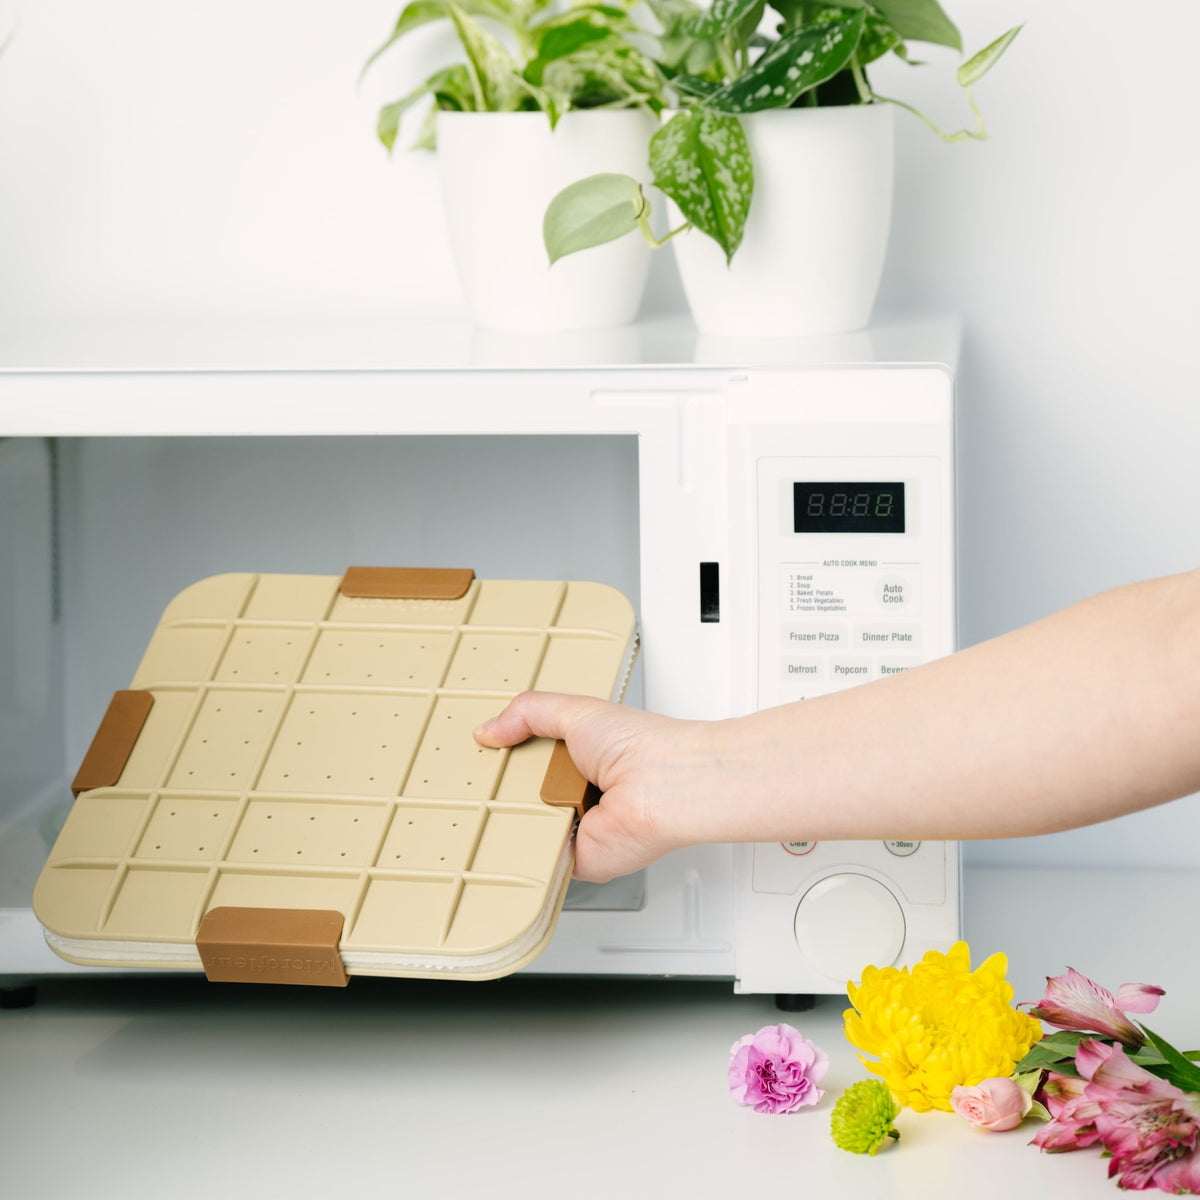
x,y
794,1001
17,992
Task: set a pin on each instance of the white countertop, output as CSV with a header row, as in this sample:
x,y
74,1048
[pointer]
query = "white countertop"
x,y
528,1087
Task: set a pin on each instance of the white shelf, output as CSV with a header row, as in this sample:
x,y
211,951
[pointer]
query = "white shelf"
x,y
123,346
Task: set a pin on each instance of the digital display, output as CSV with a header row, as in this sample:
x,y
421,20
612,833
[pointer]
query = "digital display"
x,y
848,507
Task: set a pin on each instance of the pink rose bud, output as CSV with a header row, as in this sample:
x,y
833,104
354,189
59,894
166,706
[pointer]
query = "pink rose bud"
x,y
994,1104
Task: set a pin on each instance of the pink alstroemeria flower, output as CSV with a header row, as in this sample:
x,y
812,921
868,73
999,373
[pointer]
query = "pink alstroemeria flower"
x,y
1072,1124
1073,1001
776,1070
1150,1128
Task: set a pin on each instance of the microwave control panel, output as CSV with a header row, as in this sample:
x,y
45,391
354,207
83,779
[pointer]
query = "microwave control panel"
x,y
854,584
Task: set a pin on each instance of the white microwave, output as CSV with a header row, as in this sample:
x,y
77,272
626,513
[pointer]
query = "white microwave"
x,y
781,513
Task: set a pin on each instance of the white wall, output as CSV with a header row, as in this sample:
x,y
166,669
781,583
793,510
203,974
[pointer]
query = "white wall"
x,y
161,158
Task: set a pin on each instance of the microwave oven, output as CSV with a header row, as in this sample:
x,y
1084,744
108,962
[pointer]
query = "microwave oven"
x,y
781,514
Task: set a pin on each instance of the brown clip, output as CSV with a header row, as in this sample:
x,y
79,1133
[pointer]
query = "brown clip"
x,y
564,786
406,583
272,945
116,735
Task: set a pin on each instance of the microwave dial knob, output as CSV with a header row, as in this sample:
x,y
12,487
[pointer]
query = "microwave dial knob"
x,y
846,922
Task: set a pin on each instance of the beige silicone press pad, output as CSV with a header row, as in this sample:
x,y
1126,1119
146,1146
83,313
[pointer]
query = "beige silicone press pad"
x,y
309,750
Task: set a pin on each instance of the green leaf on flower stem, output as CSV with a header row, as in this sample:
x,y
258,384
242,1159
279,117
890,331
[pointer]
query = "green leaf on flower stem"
x,y
1178,1070
800,60
978,65
920,21
1055,1050
595,210
720,18
702,161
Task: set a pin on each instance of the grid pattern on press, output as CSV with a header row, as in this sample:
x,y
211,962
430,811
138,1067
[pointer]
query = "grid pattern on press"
x,y
326,760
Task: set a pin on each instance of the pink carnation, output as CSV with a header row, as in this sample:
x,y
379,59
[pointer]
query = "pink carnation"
x,y
776,1070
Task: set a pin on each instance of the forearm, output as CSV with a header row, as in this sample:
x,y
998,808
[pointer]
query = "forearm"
x,y
1089,714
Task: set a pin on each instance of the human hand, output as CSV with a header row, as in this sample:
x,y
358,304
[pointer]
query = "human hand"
x,y
640,762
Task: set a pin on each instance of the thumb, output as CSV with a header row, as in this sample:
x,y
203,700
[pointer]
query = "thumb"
x,y
535,714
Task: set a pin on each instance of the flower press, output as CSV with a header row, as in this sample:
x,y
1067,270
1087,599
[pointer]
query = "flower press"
x,y
290,790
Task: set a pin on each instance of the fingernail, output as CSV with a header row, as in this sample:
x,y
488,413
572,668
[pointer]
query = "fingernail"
x,y
482,729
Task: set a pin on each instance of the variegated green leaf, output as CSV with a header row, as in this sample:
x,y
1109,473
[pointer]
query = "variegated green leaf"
x,y
877,37
702,161
611,73
978,65
798,61
497,83
560,41
919,21
450,88
422,12
696,89
591,212
800,12
721,17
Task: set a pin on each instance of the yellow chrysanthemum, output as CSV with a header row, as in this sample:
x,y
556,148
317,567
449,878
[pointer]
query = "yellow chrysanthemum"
x,y
939,1026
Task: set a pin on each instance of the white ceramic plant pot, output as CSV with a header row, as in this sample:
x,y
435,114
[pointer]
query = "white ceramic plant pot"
x,y
816,237
499,171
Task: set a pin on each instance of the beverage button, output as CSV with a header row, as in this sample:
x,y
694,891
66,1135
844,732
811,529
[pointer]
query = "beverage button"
x,y
887,638
850,670
803,670
815,637
799,848
902,849
894,666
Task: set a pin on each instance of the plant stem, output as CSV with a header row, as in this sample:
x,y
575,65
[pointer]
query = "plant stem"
x,y
865,94
726,57
643,220
963,135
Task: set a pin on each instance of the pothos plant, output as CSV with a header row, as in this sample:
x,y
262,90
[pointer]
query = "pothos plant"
x,y
527,55
721,66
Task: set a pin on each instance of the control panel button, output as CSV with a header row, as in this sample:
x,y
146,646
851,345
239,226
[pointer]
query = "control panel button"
x,y
802,670
845,922
797,638
850,670
887,638
896,666
896,594
902,849
799,848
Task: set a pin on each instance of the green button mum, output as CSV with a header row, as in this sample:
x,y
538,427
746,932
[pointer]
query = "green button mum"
x,y
862,1120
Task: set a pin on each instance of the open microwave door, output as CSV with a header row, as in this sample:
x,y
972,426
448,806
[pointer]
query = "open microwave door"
x,y
290,789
